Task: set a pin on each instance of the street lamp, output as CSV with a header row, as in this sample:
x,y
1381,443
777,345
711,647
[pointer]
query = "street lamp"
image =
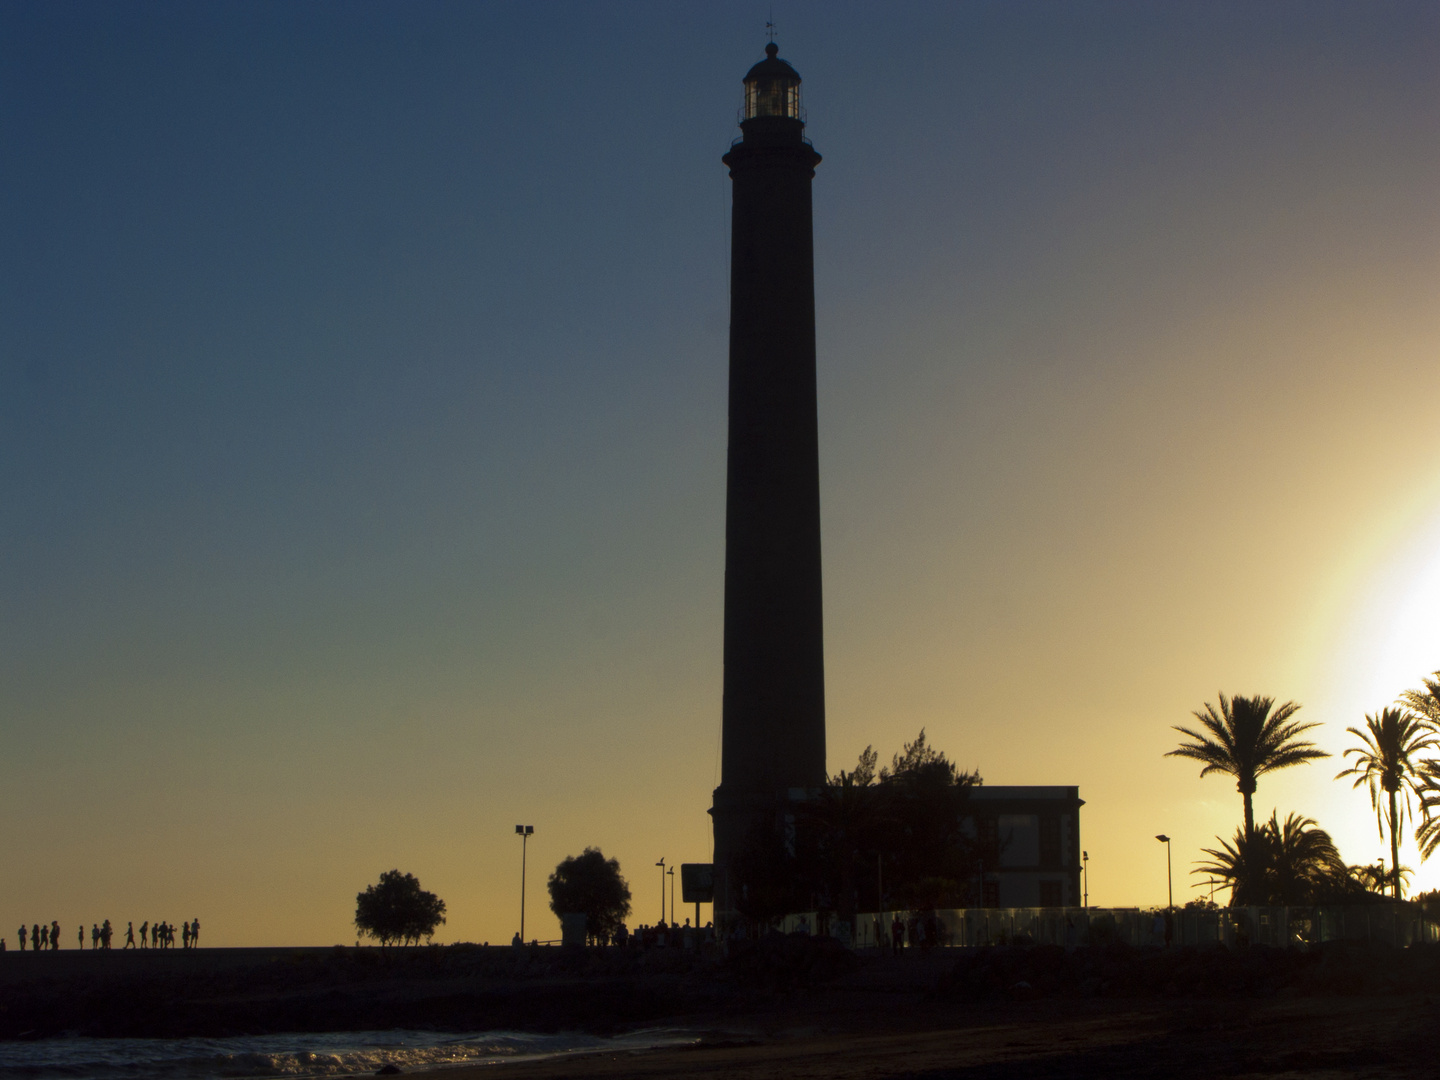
x,y
1085,870
661,865
524,832
671,873
1169,881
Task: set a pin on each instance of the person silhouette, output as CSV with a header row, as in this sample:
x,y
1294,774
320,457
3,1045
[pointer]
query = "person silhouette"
x,y
130,935
185,935
106,933
94,936
81,936
35,937
144,930
54,934
44,938
23,932
195,933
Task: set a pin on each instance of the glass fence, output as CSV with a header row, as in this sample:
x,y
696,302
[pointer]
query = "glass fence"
x,y
1396,923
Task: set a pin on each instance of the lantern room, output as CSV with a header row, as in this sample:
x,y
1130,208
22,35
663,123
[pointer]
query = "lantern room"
x,y
772,88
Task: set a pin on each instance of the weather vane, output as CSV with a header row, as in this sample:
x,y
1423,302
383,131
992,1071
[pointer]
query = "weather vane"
x,y
770,25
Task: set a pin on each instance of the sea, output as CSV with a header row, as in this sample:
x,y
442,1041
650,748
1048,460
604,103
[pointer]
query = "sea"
x,y
338,1054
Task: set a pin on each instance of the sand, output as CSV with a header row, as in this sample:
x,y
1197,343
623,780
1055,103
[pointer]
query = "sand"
x,y
895,1037
791,1008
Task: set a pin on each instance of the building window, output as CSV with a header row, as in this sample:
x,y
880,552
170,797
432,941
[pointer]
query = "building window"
x,y
1019,840
1052,894
1050,841
987,830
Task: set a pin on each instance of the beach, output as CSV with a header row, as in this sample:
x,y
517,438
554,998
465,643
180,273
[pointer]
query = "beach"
x,y
1313,1038
784,1007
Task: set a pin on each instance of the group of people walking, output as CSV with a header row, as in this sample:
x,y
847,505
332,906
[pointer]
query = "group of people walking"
x,y
163,935
160,936
661,936
39,937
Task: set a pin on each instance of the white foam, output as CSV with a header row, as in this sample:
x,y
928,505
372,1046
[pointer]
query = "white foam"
x,y
302,1055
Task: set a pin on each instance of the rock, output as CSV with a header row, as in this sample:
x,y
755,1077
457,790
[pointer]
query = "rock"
x,y
389,1069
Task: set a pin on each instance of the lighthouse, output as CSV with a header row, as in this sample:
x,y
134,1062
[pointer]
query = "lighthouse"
x,y
773,713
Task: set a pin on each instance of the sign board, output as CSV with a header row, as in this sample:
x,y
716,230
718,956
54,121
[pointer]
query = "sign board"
x,y
697,882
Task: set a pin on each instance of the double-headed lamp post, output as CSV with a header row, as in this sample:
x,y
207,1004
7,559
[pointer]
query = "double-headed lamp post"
x,y
524,832
661,865
1085,870
1169,881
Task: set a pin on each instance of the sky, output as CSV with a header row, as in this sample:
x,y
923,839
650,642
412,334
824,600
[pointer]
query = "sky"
x,y
362,427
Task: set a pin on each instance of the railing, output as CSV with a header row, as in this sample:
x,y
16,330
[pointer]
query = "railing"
x,y
1394,923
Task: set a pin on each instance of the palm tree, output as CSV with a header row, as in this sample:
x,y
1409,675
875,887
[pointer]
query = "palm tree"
x,y
1294,862
1304,862
1389,760
1375,879
1425,702
1242,866
1246,740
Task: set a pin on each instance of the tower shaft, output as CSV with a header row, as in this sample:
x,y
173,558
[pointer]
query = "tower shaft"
x,y
773,739
774,706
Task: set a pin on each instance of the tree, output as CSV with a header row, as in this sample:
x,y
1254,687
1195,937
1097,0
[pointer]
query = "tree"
x,y
1304,862
591,884
1388,760
841,818
1294,862
398,910
1246,740
1426,702
1241,865
1374,880
918,759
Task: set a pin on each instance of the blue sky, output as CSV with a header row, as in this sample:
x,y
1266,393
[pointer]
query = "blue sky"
x,y
362,383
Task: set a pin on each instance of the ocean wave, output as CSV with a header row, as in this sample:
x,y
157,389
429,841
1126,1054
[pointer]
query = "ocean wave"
x,y
304,1055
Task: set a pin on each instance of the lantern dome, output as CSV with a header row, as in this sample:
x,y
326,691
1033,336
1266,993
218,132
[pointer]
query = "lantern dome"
x,y
772,88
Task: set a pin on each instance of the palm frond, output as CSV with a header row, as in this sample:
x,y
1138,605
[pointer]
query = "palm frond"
x,y
1388,761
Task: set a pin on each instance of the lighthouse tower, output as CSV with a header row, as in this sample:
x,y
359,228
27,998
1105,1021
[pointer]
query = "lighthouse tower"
x,y
774,705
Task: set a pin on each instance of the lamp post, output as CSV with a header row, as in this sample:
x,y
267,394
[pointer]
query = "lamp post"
x,y
1085,871
661,865
671,874
524,832
1169,882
